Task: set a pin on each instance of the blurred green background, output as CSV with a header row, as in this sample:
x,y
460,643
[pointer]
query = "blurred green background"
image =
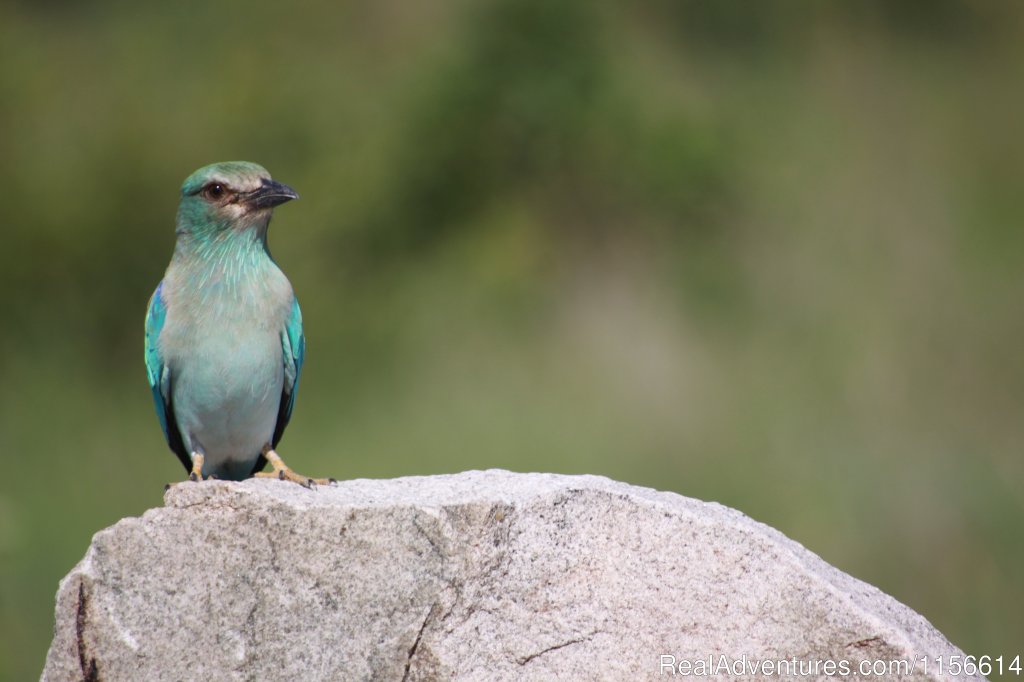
x,y
769,254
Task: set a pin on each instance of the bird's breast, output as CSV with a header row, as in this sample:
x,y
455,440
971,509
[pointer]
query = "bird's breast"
x,y
221,341
235,364
227,394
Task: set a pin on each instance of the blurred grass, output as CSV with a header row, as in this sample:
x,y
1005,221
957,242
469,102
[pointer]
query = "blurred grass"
x,y
765,254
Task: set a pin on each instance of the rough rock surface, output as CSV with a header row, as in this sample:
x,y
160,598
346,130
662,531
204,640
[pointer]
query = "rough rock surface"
x,y
482,575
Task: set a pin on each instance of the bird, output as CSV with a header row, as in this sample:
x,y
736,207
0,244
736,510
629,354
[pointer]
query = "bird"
x,y
224,340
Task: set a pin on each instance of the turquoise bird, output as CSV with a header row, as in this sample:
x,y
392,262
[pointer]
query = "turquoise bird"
x,y
224,342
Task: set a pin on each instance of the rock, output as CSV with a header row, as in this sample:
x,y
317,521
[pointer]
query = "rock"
x,y
482,575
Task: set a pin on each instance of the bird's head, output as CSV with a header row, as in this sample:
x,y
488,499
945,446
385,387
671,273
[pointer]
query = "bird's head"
x,y
232,195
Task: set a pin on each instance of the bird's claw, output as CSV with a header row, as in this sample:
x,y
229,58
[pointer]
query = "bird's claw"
x,y
286,474
282,472
197,467
194,476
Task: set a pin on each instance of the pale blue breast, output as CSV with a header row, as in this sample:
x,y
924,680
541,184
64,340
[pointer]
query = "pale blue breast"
x,y
222,343
226,398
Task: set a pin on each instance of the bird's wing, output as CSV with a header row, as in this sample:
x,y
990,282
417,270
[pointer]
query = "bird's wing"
x,y
159,377
293,345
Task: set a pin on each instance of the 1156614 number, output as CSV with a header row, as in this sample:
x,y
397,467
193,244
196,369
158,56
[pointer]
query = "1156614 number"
x,y
979,665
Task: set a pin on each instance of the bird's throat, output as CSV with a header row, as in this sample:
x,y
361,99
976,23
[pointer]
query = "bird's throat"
x,y
227,268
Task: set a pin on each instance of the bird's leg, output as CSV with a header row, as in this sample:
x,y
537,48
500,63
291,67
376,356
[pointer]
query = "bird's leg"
x,y
282,472
197,466
198,459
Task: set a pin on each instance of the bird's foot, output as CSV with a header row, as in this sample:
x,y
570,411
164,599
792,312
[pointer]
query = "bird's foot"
x,y
282,472
197,467
197,471
191,478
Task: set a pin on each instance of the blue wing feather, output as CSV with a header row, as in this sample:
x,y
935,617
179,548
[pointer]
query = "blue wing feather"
x,y
159,377
293,346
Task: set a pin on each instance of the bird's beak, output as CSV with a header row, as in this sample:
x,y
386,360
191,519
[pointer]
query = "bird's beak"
x,y
271,194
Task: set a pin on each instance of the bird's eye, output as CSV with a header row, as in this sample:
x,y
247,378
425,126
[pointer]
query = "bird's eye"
x,y
214,191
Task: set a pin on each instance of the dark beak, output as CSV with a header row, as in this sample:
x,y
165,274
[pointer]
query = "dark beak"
x,y
271,194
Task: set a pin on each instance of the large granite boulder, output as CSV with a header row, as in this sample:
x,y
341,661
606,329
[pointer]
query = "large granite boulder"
x,y
483,575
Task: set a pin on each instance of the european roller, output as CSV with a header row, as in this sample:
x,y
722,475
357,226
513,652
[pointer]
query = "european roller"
x,y
224,343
